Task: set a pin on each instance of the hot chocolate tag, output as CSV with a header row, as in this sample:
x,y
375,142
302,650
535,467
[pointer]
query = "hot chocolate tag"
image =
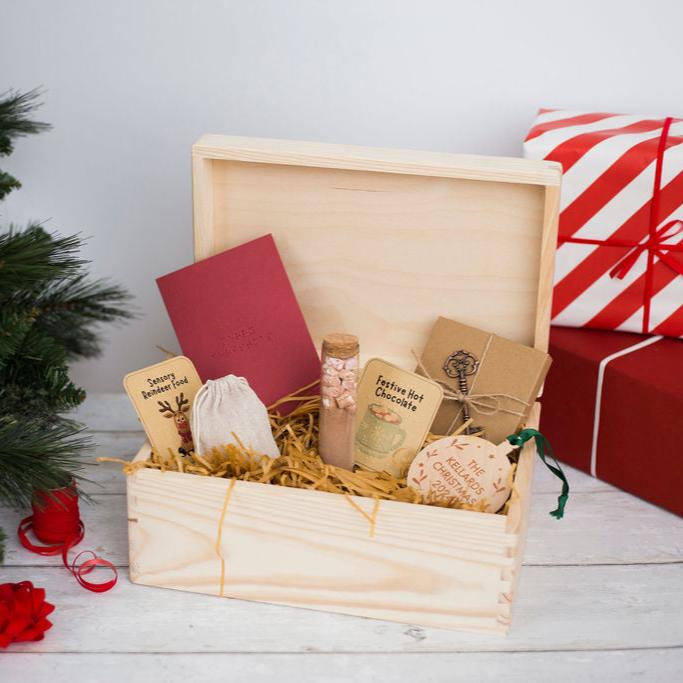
x,y
162,395
395,410
464,468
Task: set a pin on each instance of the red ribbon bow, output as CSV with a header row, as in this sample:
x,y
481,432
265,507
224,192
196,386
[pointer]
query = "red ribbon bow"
x,y
655,245
23,613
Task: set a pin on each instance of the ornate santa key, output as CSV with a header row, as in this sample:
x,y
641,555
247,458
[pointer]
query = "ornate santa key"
x,y
460,365
464,468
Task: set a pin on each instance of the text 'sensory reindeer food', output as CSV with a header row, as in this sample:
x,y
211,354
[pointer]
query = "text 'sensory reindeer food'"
x,y
162,396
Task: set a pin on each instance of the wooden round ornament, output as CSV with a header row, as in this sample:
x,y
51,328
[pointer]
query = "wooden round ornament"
x,y
464,468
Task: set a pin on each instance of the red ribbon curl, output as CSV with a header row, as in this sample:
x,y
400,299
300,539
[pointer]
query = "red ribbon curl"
x,y
56,521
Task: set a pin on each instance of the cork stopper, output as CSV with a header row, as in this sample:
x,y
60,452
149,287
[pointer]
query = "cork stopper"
x,y
339,345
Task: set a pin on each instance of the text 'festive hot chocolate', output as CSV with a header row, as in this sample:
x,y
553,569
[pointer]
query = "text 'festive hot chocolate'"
x,y
395,411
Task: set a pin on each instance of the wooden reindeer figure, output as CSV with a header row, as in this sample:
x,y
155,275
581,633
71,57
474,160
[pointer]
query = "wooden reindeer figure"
x,y
182,424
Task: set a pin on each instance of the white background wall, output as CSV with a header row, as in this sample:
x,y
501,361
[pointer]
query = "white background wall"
x,y
130,84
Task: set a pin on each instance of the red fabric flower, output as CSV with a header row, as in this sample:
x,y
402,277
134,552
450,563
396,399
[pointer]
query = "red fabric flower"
x,y
22,613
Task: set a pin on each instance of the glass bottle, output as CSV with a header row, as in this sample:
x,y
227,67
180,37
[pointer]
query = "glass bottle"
x,y
338,389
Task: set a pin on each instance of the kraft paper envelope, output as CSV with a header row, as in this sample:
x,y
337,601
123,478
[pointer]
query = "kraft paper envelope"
x,y
506,380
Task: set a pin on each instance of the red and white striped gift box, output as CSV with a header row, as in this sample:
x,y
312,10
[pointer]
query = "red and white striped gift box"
x,y
620,249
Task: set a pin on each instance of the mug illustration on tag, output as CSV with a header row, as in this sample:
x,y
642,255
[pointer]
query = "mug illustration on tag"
x,y
379,433
395,410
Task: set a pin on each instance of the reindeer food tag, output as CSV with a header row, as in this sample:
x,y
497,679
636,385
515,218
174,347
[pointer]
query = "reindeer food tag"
x,y
465,468
162,396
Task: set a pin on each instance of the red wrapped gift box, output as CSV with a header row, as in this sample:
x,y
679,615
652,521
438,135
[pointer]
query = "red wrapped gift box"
x,y
619,262
613,407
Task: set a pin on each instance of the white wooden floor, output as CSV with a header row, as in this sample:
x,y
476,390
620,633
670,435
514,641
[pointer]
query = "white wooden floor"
x,y
601,599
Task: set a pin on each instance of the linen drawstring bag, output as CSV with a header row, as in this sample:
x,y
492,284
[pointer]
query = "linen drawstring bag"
x,y
228,406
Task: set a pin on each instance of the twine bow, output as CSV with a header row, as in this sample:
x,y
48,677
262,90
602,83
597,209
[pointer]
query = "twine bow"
x,y
484,404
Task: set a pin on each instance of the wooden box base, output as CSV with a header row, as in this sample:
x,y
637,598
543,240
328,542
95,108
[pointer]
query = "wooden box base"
x,y
416,564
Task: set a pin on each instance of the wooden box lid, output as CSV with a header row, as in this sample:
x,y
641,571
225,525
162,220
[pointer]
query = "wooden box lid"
x,y
379,242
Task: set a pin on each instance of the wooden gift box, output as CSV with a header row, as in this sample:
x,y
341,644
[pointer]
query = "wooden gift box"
x,y
377,242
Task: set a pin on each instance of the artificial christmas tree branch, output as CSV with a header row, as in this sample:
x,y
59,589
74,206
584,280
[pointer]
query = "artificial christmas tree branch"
x,y
49,314
15,121
31,257
37,457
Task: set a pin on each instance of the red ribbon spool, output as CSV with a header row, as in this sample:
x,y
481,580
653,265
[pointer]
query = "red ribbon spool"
x,y
56,521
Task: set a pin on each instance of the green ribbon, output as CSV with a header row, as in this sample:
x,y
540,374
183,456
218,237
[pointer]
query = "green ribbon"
x,y
544,450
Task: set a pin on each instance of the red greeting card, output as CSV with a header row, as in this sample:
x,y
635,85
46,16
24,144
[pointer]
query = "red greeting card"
x,y
236,313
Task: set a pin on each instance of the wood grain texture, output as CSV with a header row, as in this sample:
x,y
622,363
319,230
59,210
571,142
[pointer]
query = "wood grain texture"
x,y
437,667
609,621
559,609
384,255
517,519
425,565
630,531
108,412
551,215
376,159
384,241
107,479
202,205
